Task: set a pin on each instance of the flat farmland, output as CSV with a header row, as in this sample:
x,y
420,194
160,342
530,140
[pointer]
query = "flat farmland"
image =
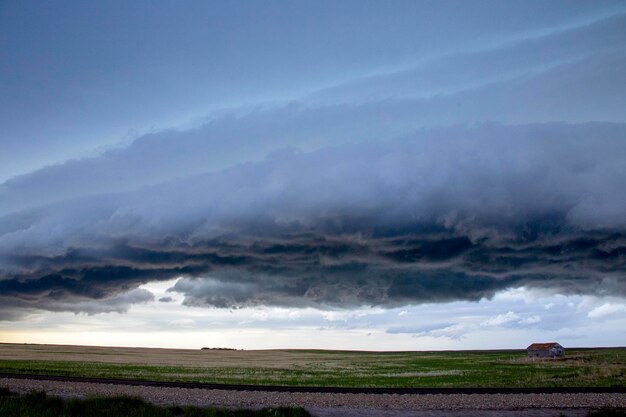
x,y
602,367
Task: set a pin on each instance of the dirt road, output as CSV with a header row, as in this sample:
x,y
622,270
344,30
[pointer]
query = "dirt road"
x,y
340,404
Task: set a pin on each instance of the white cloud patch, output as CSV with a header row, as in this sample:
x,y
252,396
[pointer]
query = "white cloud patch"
x,y
510,319
607,309
453,331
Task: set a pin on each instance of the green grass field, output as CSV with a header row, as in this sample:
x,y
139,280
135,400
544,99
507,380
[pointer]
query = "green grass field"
x,y
580,367
38,404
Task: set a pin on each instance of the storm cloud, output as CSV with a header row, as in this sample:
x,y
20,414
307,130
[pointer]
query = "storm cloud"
x,y
395,157
438,215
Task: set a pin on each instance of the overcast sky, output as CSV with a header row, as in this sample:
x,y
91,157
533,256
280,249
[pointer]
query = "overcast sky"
x,y
355,175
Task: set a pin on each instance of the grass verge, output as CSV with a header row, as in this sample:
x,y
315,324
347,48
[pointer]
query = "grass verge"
x,y
38,404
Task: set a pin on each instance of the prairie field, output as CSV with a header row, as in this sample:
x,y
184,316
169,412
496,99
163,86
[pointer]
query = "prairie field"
x,y
589,367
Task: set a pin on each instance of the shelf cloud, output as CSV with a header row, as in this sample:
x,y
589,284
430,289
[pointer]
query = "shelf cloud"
x,y
441,214
392,157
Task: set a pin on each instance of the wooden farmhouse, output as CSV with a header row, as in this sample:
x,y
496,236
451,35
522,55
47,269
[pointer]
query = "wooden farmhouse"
x,y
545,350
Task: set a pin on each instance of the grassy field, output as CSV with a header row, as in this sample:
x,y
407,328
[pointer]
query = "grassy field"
x,y
41,405
580,367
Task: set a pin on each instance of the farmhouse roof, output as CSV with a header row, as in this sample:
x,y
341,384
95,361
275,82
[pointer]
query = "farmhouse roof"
x,y
542,346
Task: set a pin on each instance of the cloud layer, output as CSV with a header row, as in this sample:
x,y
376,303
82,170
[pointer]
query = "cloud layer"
x,y
454,177
571,75
443,214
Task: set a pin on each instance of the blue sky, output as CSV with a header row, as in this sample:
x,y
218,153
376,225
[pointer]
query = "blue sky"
x,y
389,175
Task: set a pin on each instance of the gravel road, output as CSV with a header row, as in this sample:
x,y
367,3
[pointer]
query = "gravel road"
x,y
334,405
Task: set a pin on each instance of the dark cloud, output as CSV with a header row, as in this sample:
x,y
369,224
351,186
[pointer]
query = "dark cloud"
x,y
166,299
14,306
316,274
447,214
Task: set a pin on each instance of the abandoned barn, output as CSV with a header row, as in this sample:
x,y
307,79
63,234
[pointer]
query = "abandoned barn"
x,y
545,350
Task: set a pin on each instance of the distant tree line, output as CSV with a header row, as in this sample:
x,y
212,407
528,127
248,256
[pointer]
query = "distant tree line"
x,y
218,348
